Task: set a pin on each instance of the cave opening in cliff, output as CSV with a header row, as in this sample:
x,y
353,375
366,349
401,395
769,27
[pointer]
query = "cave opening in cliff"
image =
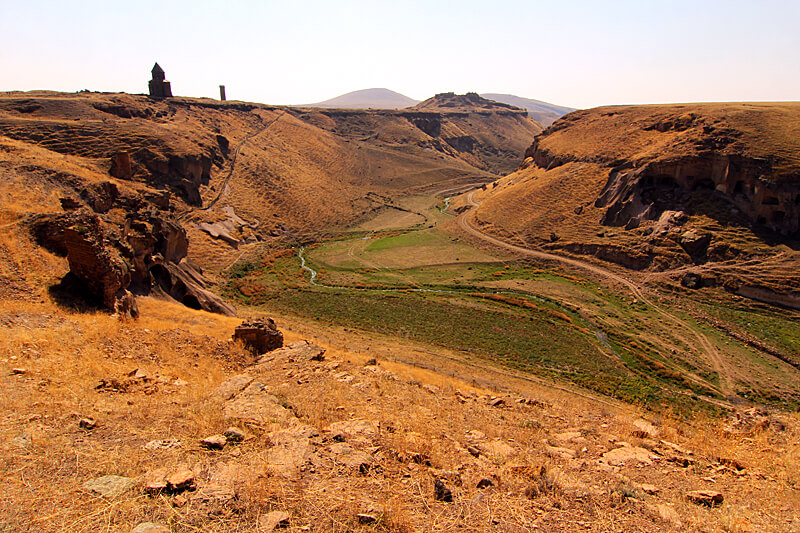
x,y
700,184
770,200
191,301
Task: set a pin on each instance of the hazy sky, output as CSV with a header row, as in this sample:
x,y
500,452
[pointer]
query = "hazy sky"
x,y
569,52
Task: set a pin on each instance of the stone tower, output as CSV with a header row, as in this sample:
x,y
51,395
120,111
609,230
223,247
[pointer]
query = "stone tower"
x,y
159,87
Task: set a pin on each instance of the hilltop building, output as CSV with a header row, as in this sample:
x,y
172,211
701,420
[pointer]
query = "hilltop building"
x,y
159,87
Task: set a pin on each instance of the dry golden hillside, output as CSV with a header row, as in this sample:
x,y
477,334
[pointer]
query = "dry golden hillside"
x,y
704,194
286,173
423,384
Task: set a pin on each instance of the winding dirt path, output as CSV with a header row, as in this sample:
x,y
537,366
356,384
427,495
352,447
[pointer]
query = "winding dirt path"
x,y
227,179
717,362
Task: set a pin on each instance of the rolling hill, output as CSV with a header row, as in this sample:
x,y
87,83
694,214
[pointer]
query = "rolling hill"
x,y
368,99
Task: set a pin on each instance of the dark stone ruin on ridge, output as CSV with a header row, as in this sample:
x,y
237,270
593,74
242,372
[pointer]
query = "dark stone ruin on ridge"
x,y
159,87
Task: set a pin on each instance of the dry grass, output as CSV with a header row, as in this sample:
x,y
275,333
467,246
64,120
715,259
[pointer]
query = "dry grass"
x,y
425,410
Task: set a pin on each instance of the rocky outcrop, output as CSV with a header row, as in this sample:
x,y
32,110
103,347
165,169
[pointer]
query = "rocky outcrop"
x,y
260,335
145,253
185,283
644,192
99,266
184,173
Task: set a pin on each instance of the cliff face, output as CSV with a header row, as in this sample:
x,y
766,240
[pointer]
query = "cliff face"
x,y
674,156
136,135
708,191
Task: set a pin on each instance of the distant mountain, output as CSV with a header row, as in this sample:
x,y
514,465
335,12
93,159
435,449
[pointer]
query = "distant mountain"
x,y
368,99
543,112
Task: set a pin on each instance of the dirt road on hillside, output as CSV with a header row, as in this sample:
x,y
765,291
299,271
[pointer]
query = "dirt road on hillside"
x,y
717,362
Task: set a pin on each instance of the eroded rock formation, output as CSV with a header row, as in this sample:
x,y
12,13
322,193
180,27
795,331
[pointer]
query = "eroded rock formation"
x,y
144,253
260,335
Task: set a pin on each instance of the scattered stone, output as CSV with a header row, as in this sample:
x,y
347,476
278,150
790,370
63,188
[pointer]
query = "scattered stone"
x,y
181,480
215,492
232,386
364,518
180,382
150,527
214,442
274,520
644,429
485,483
234,434
23,441
558,451
433,389
18,371
497,448
356,430
371,362
695,243
155,486
179,501
497,402
441,492
732,463
291,449
260,335
165,444
255,405
568,436
628,455
649,489
87,423
708,498
109,486
474,451
667,513
475,435
351,458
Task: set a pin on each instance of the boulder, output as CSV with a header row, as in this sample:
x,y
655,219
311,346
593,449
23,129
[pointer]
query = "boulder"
x,y
181,480
628,455
708,498
214,442
441,492
109,486
260,335
695,244
108,258
274,520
